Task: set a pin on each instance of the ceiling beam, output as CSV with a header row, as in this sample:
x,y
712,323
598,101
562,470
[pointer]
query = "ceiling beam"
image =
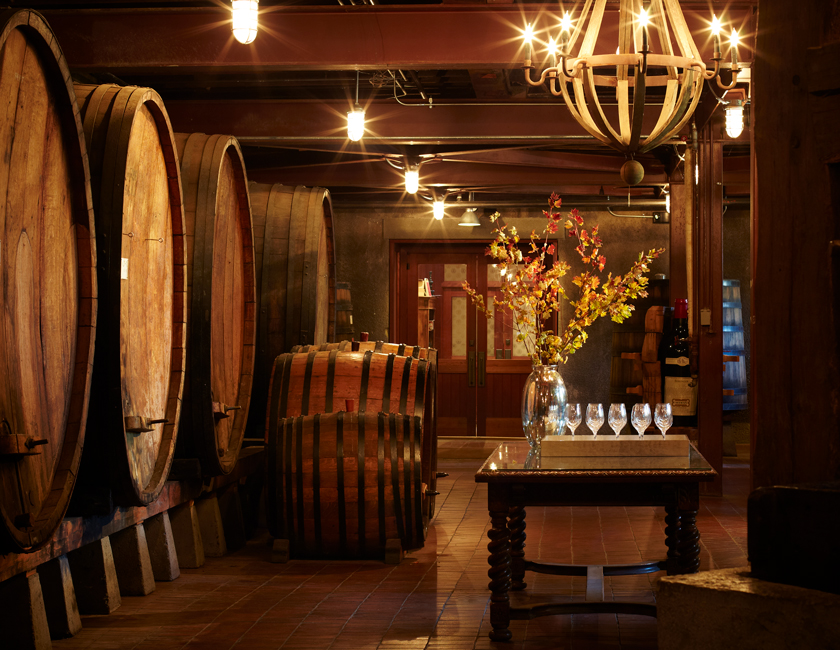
x,y
361,37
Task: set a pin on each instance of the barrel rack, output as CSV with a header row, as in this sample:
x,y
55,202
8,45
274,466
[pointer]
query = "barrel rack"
x,y
125,552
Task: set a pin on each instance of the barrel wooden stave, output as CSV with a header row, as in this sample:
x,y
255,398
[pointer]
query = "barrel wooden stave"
x,y
344,330
734,372
295,270
355,502
141,349
49,286
221,291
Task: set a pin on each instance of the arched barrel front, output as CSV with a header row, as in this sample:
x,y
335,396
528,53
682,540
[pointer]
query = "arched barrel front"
x,y
47,261
139,364
221,301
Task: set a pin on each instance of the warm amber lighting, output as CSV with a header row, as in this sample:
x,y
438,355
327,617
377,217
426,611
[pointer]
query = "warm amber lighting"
x,y
715,25
412,180
528,34
245,21
734,119
437,209
566,23
356,123
643,18
733,39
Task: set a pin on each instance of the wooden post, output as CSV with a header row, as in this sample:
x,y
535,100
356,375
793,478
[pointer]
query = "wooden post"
x,y
60,598
212,529
161,544
131,558
187,535
708,313
230,509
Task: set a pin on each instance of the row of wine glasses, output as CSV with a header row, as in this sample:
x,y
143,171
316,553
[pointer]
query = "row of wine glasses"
x,y
640,417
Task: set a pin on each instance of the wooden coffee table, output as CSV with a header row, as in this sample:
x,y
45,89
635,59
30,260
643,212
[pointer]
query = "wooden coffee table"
x,y
517,478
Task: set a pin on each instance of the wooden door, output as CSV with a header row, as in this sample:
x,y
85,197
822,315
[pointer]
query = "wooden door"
x,y
481,368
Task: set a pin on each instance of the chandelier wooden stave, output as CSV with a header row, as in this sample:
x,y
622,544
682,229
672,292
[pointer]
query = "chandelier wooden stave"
x,y
681,71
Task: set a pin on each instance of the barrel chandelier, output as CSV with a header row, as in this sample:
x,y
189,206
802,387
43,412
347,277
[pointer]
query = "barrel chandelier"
x,y
655,49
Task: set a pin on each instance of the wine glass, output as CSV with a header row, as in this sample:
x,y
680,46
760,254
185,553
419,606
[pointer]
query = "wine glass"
x,y
595,417
640,418
573,417
662,417
617,417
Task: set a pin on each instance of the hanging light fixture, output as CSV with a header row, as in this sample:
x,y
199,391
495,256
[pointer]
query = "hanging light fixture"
x,y
438,208
734,118
635,65
412,179
245,20
356,118
470,218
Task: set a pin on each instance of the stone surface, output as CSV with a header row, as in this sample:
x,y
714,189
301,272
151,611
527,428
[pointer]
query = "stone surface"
x,y
729,609
187,535
95,578
131,558
161,543
60,598
212,529
23,619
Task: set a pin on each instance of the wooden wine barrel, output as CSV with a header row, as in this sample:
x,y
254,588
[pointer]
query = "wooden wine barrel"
x,y
139,365
339,485
221,301
735,372
429,457
295,268
344,330
49,288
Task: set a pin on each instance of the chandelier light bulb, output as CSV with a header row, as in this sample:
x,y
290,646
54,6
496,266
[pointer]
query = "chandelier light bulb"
x,y
715,25
643,18
528,34
437,209
668,203
245,20
566,22
734,38
356,123
412,180
734,119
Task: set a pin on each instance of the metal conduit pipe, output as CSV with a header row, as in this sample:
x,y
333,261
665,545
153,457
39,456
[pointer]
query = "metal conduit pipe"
x,y
657,205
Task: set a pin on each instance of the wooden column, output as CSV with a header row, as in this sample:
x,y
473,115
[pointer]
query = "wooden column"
x,y
795,287
707,314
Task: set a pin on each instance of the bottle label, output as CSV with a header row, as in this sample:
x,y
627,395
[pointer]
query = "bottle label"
x,y
678,361
682,395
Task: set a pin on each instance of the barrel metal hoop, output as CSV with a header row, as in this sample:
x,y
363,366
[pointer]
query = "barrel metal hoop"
x,y
417,448
342,505
386,387
360,478
307,382
316,480
401,349
404,386
284,394
395,475
365,375
380,483
420,393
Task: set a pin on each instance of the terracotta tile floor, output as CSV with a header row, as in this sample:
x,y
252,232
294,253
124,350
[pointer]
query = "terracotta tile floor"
x,y
436,598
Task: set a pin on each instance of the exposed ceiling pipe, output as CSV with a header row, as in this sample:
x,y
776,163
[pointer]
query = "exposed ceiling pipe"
x,y
639,204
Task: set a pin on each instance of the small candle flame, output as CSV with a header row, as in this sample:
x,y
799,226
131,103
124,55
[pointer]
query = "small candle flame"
x,y
715,25
566,22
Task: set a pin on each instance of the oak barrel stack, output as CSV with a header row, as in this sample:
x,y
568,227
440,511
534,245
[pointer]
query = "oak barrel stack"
x,y
49,287
295,268
139,362
340,485
221,301
429,455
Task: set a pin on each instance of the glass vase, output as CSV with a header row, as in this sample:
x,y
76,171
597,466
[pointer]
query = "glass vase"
x,y
543,405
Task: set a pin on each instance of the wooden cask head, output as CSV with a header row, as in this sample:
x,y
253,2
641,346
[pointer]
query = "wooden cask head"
x,y
221,300
49,287
140,241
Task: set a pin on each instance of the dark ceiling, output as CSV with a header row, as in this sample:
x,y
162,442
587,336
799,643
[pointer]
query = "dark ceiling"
x,y
441,82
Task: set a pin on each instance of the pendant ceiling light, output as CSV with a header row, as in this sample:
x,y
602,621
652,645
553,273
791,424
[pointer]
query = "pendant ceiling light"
x,y
245,20
655,49
735,118
356,118
470,218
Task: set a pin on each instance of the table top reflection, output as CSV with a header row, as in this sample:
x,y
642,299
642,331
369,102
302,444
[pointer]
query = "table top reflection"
x,y
515,460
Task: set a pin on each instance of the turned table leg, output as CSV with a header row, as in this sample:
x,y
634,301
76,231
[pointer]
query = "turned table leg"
x,y
681,534
516,526
688,542
499,573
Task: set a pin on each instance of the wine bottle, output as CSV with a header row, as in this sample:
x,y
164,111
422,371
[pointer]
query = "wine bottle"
x,y
679,388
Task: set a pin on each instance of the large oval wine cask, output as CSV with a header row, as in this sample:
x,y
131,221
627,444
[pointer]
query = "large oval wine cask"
x,y
295,268
339,485
429,455
139,364
221,301
734,372
49,287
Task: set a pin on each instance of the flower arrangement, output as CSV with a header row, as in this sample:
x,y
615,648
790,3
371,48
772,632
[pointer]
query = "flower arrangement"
x,y
533,292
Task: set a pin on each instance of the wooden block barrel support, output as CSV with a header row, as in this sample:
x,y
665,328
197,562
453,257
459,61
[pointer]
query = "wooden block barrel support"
x,y
295,268
340,485
221,301
60,598
139,364
23,618
95,578
49,288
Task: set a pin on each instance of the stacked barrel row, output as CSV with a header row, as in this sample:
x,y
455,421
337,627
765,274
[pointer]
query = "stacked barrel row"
x,y
350,448
130,271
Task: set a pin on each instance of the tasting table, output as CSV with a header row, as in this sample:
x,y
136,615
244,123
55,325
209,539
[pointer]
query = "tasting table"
x,y
517,477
